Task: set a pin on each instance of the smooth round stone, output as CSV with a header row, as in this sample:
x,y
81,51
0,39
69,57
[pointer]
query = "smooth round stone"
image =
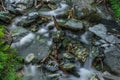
x,y
29,57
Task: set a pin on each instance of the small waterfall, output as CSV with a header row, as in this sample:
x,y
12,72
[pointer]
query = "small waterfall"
x,y
31,72
24,40
60,10
15,21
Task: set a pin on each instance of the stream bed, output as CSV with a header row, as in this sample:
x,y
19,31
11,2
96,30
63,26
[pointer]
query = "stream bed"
x,y
55,45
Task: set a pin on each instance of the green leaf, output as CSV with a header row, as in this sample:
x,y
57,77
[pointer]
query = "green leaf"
x,y
1,34
115,6
6,47
1,66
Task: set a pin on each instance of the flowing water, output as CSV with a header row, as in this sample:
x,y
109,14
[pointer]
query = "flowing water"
x,y
38,43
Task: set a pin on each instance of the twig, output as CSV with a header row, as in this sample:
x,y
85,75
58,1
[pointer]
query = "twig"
x,y
105,4
38,5
3,5
56,23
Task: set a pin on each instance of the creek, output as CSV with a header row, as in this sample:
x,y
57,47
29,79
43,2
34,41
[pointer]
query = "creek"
x,y
39,42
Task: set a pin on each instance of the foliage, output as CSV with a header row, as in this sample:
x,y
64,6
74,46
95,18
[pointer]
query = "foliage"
x,y
8,59
116,7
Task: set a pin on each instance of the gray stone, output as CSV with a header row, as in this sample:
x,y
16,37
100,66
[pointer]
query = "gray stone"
x,y
74,24
80,5
112,58
19,31
109,76
100,30
18,5
30,18
29,57
112,39
38,47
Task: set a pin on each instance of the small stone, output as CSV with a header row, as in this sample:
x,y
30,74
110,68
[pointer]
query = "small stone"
x,y
74,24
29,57
112,39
100,30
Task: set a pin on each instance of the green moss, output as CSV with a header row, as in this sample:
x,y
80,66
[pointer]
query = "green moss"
x,y
115,5
8,59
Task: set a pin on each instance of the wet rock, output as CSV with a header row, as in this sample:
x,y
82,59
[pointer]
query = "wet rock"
x,y
19,31
101,31
18,6
82,7
29,57
112,53
74,24
68,66
86,8
30,44
112,39
109,76
86,37
5,17
52,66
110,24
28,20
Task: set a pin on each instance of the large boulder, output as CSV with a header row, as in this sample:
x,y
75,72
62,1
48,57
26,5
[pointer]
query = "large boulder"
x,y
18,6
101,31
112,58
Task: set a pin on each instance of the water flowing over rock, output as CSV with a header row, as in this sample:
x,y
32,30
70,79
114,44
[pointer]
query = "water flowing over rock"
x,y
59,11
64,47
86,37
28,20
